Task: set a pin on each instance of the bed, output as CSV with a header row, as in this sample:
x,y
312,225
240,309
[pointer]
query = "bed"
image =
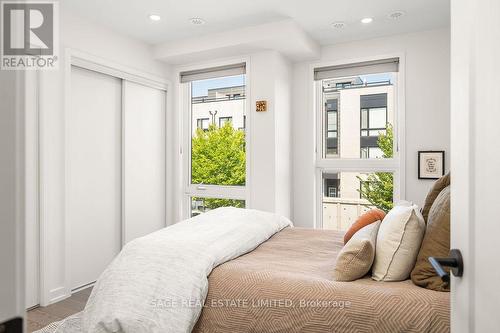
x,y
285,285
263,276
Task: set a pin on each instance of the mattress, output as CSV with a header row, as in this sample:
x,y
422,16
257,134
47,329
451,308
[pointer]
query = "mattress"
x,y
285,285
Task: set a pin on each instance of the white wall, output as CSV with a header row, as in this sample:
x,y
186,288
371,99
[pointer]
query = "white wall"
x,y
427,92
270,178
84,36
11,195
283,128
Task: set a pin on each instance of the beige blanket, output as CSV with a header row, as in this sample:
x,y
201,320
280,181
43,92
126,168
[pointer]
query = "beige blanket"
x,y
286,285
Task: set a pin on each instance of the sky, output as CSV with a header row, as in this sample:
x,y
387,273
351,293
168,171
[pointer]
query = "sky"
x,y
377,77
200,88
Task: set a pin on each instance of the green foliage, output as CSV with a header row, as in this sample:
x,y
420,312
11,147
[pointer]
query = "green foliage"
x,y
377,188
218,157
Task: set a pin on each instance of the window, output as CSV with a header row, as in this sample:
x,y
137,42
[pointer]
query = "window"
x,y
244,123
332,129
224,120
215,158
357,159
202,123
373,124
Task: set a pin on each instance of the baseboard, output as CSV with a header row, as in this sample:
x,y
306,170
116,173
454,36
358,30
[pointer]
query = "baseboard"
x,y
58,294
91,284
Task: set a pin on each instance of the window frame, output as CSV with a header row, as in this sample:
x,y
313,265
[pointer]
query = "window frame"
x,y
396,165
368,129
325,125
200,121
226,119
188,190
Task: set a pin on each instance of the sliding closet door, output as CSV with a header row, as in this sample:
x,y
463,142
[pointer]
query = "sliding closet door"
x,y
32,226
144,160
93,191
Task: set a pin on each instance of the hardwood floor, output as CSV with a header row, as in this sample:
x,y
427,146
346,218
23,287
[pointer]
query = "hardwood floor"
x,y
42,316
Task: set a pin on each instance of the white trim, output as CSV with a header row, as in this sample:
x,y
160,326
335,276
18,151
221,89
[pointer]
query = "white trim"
x,y
187,189
104,66
122,164
57,294
396,165
214,191
85,286
33,145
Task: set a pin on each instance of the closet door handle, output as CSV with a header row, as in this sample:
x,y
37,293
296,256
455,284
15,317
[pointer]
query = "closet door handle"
x,y
454,261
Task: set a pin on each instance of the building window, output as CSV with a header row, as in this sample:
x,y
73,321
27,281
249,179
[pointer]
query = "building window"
x,y
203,123
373,120
332,126
356,105
224,120
244,123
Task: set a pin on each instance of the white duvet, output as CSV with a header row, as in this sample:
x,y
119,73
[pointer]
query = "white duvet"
x,y
158,283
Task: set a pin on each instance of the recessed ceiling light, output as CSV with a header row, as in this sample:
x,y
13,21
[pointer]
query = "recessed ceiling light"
x,y
154,17
338,25
367,20
197,20
396,14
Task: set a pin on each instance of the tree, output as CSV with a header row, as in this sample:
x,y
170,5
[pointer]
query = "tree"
x,y
218,157
377,187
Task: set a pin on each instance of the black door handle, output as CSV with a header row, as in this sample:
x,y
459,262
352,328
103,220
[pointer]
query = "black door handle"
x,y
454,261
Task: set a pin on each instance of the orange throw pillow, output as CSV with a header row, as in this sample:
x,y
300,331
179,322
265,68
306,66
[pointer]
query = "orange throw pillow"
x,y
367,218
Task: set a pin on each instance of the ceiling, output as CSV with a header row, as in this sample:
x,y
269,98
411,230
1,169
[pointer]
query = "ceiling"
x,y
130,17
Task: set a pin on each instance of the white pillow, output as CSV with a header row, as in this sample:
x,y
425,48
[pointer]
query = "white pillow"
x,y
398,242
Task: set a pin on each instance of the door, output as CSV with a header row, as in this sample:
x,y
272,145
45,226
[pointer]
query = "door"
x,y
93,188
32,232
144,149
475,162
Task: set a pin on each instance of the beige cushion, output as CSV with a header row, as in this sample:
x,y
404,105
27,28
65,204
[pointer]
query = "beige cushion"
x,y
437,187
398,241
436,243
356,257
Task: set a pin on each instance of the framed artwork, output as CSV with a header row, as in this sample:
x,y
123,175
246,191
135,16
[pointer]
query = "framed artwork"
x,y
430,164
261,106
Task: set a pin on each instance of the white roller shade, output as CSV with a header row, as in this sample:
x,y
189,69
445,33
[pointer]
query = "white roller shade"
x,y
360,68
214,72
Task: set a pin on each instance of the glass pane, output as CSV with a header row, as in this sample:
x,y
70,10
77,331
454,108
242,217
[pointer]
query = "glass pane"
x,y
378,118
218,124
364,118
347,195
224,120
364,106
202,205
332,120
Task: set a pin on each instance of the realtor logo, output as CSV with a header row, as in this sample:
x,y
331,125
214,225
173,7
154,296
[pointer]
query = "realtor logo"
x,y
29,35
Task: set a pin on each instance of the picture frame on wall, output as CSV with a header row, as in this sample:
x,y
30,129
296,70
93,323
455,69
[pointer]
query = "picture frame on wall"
x,y
431,164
